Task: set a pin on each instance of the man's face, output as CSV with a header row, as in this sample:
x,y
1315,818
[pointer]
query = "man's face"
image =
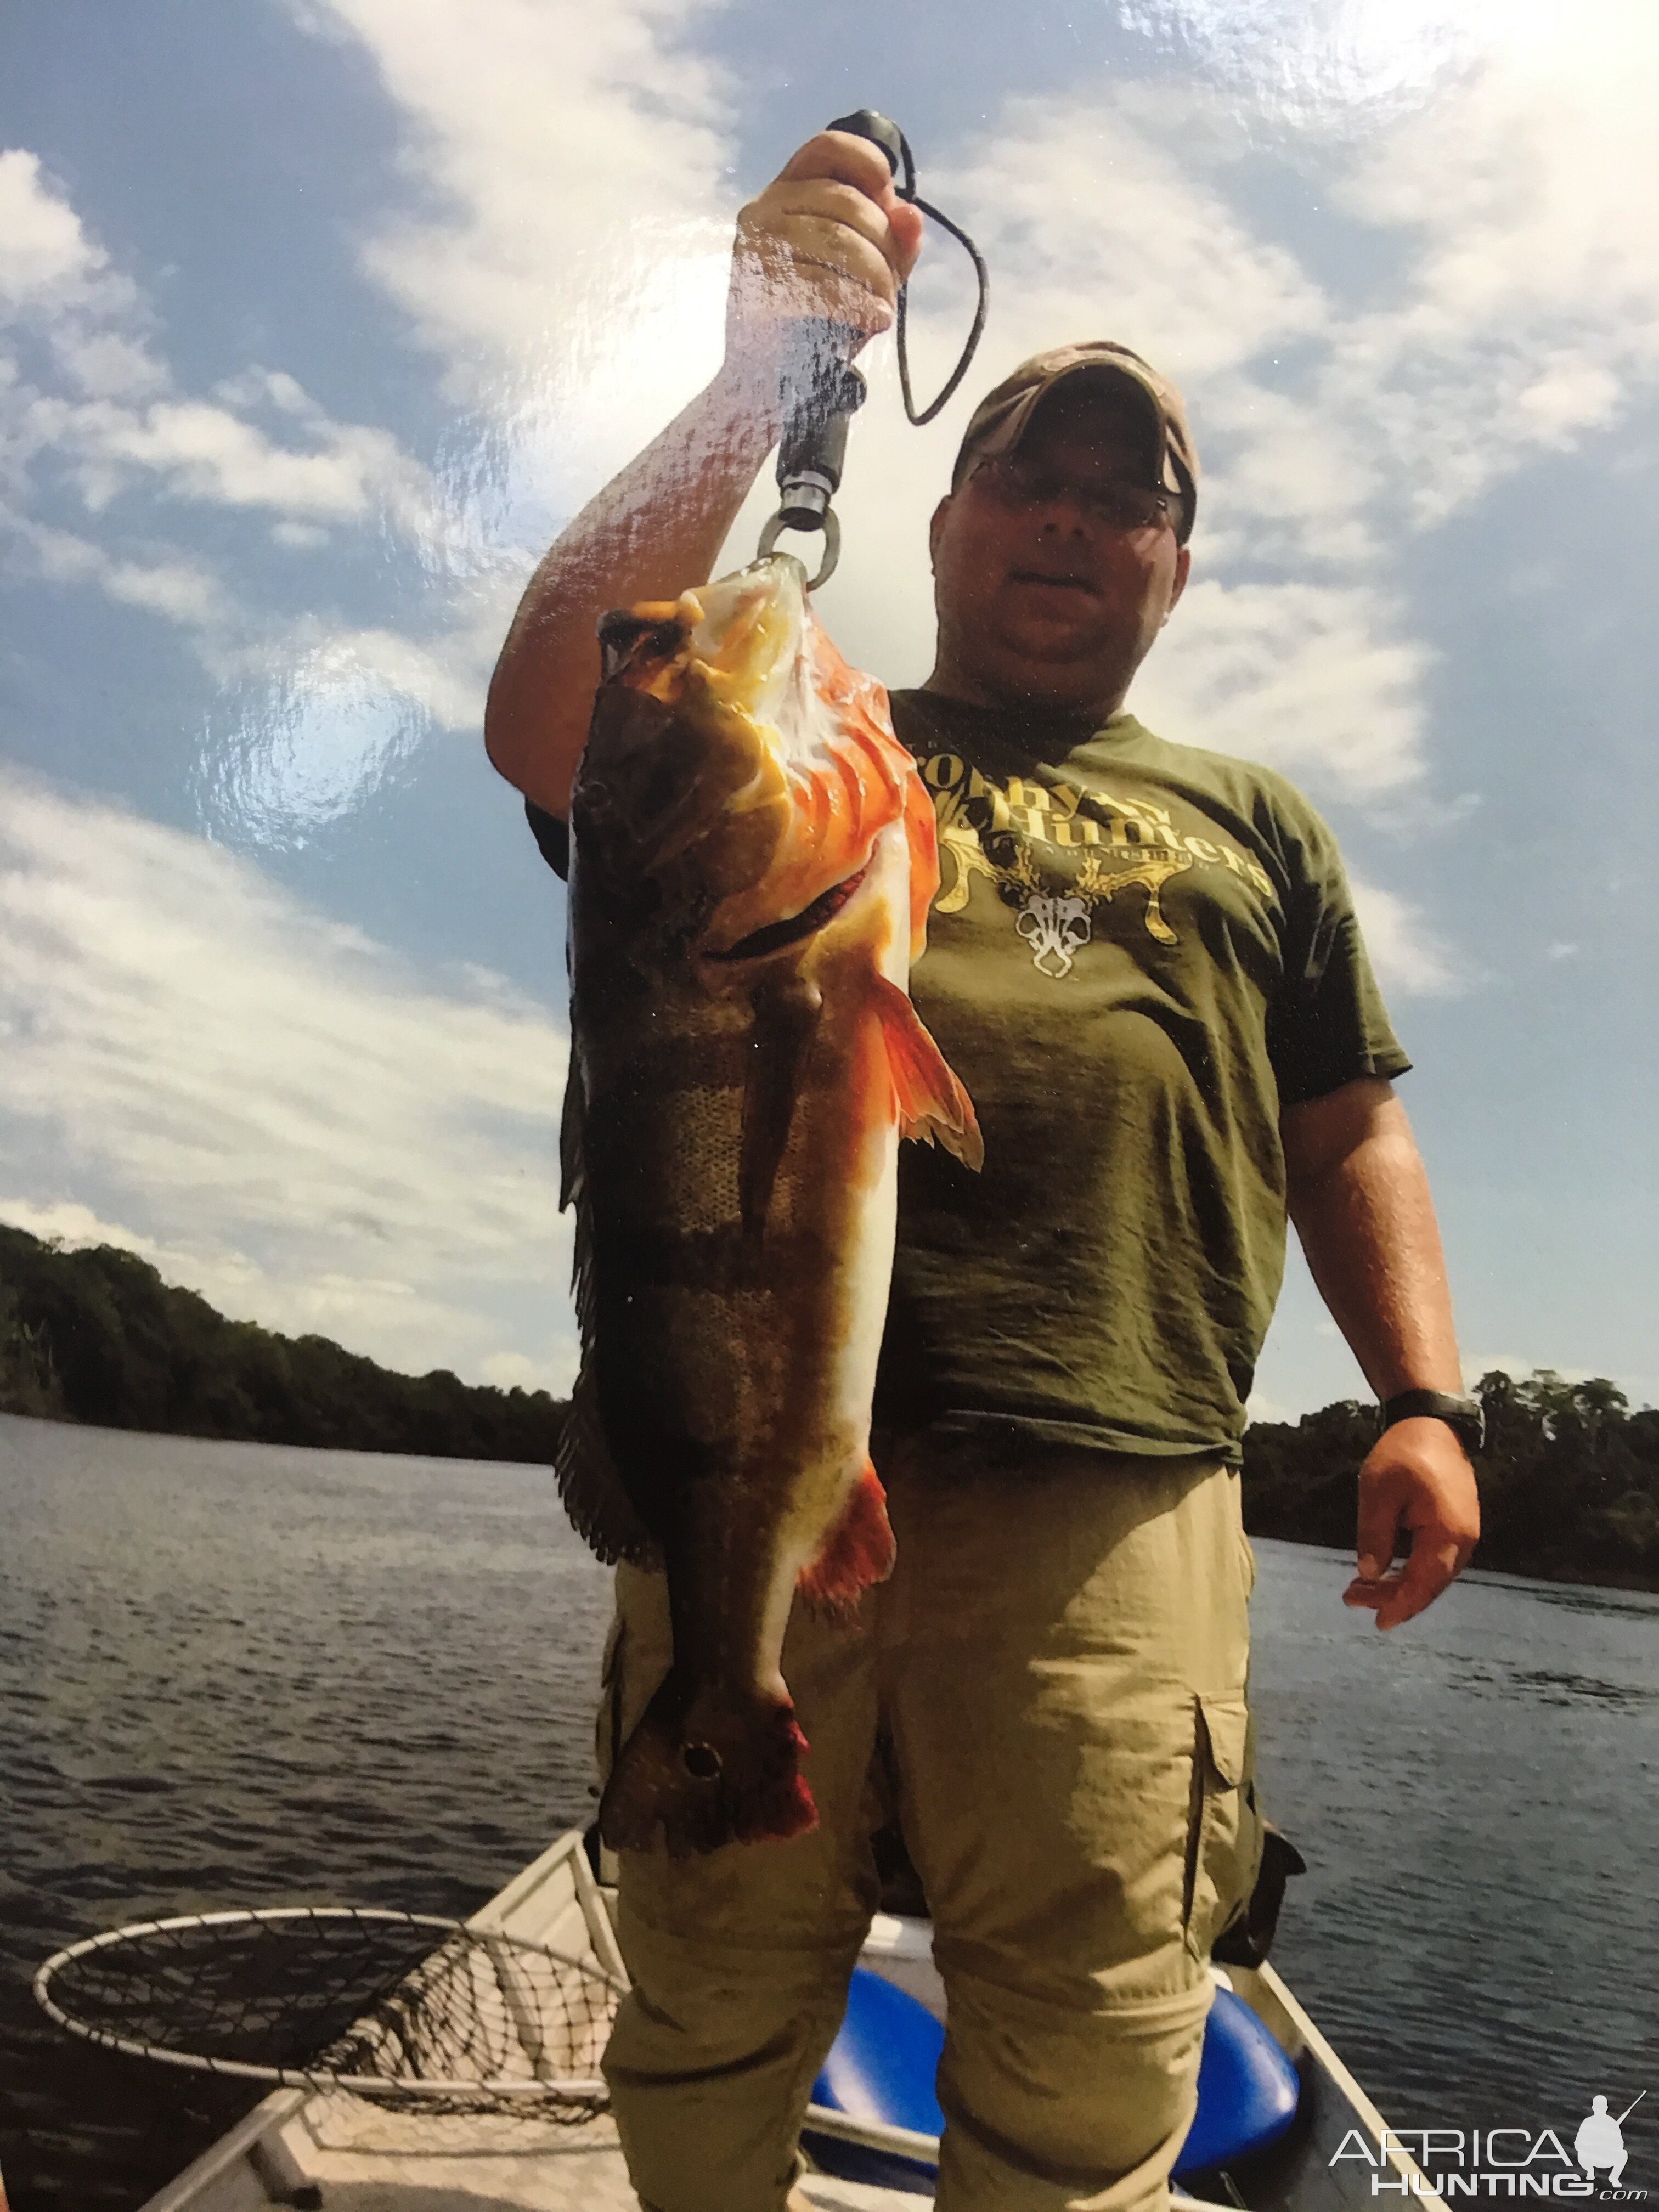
x,y
1042,600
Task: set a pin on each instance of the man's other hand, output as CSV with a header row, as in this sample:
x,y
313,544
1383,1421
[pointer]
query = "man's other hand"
x,y
1416,1477
828,237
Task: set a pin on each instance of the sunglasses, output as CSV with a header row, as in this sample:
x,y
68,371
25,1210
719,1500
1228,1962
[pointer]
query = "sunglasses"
x,y
1020,487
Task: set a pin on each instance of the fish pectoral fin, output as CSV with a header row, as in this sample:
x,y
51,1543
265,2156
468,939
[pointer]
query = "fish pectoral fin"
x,y
858,1549
601,1511
932,1103
785,1017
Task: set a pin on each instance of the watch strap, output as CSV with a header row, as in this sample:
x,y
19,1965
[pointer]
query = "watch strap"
x,y
1465,1417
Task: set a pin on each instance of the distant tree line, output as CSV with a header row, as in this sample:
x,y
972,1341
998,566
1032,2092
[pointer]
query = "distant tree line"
x,y
97,1336
1569,1484
1569,1480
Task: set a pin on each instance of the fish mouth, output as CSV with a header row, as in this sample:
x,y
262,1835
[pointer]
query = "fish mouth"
x,y
774,935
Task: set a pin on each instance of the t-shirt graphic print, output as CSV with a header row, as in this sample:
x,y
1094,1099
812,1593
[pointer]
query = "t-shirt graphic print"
x,y
1055,854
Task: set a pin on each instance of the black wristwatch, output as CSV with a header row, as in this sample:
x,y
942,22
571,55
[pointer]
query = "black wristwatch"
x,y
1465,1417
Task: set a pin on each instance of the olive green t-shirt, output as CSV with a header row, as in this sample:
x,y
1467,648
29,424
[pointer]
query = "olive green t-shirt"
x,y
1138,953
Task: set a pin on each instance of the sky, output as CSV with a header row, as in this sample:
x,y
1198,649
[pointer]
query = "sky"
x,y
319,318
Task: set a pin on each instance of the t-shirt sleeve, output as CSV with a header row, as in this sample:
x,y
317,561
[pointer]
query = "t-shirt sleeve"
x,y
1330,1025
553,836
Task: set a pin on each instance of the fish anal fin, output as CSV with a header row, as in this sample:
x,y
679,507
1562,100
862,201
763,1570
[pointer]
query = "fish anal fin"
x,y
858,1549
932,1103
785,1016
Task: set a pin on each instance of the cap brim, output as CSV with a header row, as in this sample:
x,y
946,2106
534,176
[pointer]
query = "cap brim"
x,y
1004,436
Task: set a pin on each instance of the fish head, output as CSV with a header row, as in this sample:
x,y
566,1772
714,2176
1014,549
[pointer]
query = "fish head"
x,y
738,773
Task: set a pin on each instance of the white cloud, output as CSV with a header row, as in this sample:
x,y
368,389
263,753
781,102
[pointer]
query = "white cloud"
x,y
106,365
1326,66
271,1106
1099,221
178,589
550,299
1411,961
1505,160
316,727
568,263
206,453
578,148
1477,1364
43,252
1318,680
573,282
572,285
96,418
97,436
191,450
1528,313
511,1371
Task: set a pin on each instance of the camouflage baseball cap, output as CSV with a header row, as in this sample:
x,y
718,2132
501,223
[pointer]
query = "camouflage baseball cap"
x,y
1002,417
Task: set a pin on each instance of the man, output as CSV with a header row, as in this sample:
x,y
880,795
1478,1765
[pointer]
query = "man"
x,y
1144,966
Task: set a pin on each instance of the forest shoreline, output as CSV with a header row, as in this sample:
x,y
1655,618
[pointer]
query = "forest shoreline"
x,y
1569,1482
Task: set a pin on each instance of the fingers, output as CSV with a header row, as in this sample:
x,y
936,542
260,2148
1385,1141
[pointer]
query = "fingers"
x,y
840,156
1370,1591
1431,1567
1382,1502
855,160
1417,1479
906,223
827,237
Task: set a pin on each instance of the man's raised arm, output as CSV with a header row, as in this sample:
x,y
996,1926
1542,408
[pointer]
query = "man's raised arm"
x,y
827,237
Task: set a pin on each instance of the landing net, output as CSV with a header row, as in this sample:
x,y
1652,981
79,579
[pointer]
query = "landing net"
x,y
401,2008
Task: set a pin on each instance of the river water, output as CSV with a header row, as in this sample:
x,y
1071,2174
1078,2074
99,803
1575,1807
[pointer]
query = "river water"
x,y
235,1675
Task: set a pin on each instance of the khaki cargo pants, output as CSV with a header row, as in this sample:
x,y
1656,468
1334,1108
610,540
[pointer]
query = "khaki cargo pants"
x,y
1050,1692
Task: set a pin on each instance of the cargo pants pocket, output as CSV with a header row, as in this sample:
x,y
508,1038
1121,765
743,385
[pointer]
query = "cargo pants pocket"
x,y
1223,1832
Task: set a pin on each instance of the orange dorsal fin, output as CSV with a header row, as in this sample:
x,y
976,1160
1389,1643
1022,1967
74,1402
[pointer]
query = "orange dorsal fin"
x,y
932,1104
858,1549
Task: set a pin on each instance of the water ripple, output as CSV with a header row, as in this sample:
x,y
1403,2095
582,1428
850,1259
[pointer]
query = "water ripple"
x,y
236,1675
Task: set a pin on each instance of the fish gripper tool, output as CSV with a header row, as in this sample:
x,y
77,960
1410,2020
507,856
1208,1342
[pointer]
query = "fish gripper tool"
x,y
821,391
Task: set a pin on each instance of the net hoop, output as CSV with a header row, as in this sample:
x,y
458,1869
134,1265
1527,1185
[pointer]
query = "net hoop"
x,y
455,1943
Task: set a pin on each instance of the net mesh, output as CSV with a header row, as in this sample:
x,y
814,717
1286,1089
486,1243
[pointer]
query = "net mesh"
x,y
398,2008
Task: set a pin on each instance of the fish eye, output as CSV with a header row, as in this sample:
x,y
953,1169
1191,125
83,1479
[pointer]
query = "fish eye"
x,y
626,638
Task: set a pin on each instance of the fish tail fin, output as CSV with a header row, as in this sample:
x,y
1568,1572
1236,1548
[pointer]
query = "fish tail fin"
x,y
932,1103
707,1770
858,1549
